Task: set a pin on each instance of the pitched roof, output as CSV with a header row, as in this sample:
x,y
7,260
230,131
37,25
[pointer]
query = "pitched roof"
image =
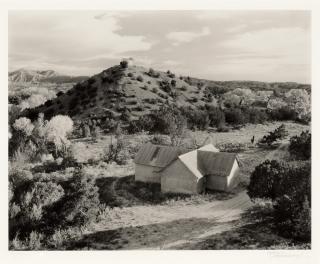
x,y
209,147
190,159
216,163
157,155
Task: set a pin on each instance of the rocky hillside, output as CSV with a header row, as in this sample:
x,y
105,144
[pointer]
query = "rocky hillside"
x,y
133,91
34,76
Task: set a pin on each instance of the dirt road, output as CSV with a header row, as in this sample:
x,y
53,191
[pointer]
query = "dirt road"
x,y
164,226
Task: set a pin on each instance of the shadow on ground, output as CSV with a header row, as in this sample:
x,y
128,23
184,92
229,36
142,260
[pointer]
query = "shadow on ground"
x,y
255,230
125,191
155,235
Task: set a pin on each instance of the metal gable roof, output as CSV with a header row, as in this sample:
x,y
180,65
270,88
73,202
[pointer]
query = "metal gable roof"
x,y
157,155
216,163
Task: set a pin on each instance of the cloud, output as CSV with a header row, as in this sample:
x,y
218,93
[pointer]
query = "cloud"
x,y
179,37
221,45
237,28
290,45
69,35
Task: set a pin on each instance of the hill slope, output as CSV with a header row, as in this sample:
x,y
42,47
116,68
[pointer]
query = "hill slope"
x,y
135,91
117,90
34,76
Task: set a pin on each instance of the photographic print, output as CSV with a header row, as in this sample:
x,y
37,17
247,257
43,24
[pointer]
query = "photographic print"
x,y
159,130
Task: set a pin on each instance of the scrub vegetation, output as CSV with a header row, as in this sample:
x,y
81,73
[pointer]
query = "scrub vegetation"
x,y
71,169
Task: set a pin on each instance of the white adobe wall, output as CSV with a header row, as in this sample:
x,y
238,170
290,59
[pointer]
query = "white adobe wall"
x,y
214,182
233,175
177,178
145,173
222,183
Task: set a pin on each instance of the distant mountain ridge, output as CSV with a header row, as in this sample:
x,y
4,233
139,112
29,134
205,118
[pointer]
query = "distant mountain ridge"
x,y
34,76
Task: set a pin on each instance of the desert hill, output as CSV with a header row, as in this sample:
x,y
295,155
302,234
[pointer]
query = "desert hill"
x,y
132,91
135,90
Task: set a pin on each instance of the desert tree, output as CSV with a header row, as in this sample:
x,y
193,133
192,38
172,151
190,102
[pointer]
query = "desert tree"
x,y
299,101
57,130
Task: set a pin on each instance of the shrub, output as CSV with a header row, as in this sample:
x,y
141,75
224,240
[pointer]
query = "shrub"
x,y
130,74
165,86
234,116
144,123
40,195
196,119
255,116
60,93
216,116
183,88
154,90
300,146
49,113
283,113
124,64
169,120
73,103
48,103
151,72
116,152
82,200
140,78
278,134
289,189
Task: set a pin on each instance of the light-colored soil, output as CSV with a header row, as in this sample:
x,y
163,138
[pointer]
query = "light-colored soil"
x,y
190,223
171,225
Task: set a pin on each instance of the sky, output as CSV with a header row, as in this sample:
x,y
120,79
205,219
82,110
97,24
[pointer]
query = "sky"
x,y
255,45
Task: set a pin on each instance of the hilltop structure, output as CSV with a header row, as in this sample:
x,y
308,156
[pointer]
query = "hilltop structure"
x,y
182,171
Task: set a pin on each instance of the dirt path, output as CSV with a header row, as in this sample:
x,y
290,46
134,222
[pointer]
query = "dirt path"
x,y
166,226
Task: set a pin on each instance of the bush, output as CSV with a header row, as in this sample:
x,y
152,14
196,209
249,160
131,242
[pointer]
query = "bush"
x,y
183,88
153,73
139,78
82,200
216,116
196,119
130,74
255,116
278,134
283,114
234,116
300,146
73,103
48,103
289,189
116,152
154,90
124,64
60,93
